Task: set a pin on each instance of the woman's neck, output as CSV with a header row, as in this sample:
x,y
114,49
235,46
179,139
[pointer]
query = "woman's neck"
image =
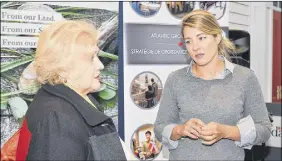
x,y
81,92
210,70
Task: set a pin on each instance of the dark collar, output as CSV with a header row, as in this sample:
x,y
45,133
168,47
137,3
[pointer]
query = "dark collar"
x,y
90,114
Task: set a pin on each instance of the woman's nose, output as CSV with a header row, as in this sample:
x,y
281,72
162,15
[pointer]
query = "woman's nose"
x,y
101,66
195,47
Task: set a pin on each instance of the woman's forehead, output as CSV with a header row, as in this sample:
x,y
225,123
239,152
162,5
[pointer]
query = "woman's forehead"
x,y
191,32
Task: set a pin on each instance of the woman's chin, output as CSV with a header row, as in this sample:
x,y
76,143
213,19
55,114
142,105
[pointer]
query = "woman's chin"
x,y
201,62
96,87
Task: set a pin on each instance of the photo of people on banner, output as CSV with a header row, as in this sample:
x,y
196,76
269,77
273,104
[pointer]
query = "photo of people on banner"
x,y
144,144
146,9
146,89
180,8
217,8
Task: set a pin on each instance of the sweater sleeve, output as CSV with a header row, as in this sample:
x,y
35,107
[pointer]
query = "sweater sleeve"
x,y
255,106
168,114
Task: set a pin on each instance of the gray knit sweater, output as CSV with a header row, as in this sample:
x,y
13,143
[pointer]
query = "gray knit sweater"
x,y
224,101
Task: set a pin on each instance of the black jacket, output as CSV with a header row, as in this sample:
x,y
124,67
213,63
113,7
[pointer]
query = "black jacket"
x,y
66,127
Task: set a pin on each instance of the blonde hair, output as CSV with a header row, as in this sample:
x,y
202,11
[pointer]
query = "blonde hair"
x,y
58,45
206,22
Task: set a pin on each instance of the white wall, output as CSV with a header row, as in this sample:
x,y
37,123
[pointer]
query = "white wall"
x,y
239,15
256,18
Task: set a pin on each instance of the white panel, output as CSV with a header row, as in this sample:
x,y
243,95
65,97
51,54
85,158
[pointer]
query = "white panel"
x,y
239,8
261,54
239,16
243,3
238,26
239,19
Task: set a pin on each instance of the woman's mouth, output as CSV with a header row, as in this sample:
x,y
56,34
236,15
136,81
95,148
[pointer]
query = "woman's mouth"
x,y
98,77
200,55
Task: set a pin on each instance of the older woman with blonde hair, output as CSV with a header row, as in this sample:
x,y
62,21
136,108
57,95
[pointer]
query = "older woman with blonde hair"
x,y
64,121
212,109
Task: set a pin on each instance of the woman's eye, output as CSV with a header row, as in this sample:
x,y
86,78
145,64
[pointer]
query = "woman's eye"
x,y
202,38
187,42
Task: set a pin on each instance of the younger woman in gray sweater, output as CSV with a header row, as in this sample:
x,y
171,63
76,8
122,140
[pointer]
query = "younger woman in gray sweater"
x,y
212,109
